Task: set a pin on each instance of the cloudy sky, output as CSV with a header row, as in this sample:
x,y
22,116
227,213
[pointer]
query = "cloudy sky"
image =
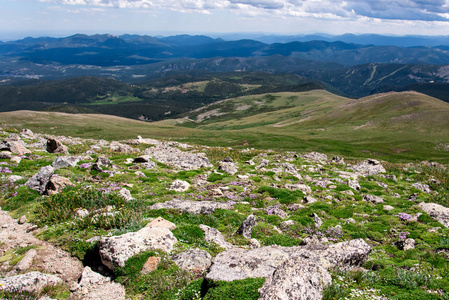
x,y
19,18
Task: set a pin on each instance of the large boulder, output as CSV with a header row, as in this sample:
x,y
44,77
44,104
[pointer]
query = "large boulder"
x,y
18,148
32,282
115,250
55,146
177,158
196,260
39,181
302,277
246,228
192,207
437,212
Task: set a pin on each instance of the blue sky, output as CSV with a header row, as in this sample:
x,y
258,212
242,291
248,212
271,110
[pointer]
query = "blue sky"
x,y
20,18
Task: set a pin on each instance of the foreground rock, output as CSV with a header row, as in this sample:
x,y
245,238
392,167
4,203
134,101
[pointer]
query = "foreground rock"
x,y
55,146
31,282
213,235
39,181
175,157
437,212
192,207
195,260
95,286
237,263
115,250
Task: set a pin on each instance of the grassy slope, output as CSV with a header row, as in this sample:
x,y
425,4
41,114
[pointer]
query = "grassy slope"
x,y
399,126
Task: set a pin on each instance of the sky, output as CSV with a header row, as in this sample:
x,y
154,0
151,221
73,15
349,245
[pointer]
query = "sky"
x,y
21,18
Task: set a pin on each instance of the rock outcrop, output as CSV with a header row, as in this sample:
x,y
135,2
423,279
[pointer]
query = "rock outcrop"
x,y
177,158
192,207
437,212
39,181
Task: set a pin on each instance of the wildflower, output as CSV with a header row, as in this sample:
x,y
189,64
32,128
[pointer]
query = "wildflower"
x,y
404,216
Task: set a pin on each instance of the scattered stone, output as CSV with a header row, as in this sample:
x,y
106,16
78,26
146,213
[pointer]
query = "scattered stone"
x,y
296,206
228,167
56,147
179,186
32,282
14,178
192,207
317,220
409,244
26,262
22,219
125,194
373,199
434,229
309,199
150,265
290,168
422,187
350,220
338,160
298,186
122,148
413,197
313,239
39,181
65,161
5,155
369,167
285,225
175,157
101,162
253,244
57,183
315,156
263,163
194,259
214,236
246,228
353,184
16,159
162,223
115,250
280,213
27,134
388,207
437,212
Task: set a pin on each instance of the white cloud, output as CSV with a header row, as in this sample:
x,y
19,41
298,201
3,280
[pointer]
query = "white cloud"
x,y
424,10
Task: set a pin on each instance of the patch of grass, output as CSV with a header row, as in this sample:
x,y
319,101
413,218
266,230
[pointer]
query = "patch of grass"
x,y
281,240
246,289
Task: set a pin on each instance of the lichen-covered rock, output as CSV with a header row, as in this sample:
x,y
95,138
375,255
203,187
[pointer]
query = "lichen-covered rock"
x,y
55,146
57,183
17,148
192,207
290,168
26,262
298,186
437,212
315,156
302,277
353,184
179,185
422,187
194,259
39,181
125,194
89,277
369,167
31,282
179,159
101,162
246,228
212,235
115,250
162,223
317,220
373,199
65,161
228,167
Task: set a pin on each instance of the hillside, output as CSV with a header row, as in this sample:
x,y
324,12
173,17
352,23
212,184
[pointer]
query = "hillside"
x,y
399,126
152,219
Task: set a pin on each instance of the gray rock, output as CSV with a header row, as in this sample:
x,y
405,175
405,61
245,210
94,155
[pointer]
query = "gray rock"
x,y
301,277
39,181
65,161
89,277
437,212
27,134
31,282
246,228
115,251
179,185
373,199
194,259
26,262
16,159
192,207
338,160
314,240
142,159
101,162
14,178
22,220
388,207
353,184
317,220
315,156
228,167
175,157
290,168
409,244
298,186
422,187
212,235
280,213
5,154
309,199
253,244
55,146
161,222
369,167
122,148
126,194
285,225
18,148
263,163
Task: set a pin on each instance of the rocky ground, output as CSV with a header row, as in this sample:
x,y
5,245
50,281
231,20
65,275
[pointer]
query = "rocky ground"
x,y
149,219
